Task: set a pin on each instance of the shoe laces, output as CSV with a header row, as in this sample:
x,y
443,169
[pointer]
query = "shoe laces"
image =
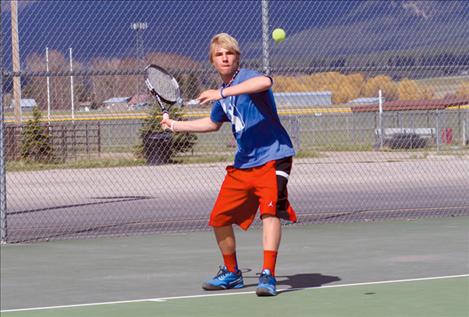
x,y
222,271
265,278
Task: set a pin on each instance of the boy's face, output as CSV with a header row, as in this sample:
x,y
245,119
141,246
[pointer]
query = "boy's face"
x,y
225,61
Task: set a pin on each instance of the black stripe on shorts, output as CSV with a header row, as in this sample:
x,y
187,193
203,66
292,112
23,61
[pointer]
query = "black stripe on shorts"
x,y
282,170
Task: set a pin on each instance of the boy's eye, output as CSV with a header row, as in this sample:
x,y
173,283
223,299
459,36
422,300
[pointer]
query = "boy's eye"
x,y
221,54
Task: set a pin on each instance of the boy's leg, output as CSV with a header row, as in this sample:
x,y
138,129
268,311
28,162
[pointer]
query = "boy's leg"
x,y
271,241
225,239
272,232
271,236
235,204
227,243
229,276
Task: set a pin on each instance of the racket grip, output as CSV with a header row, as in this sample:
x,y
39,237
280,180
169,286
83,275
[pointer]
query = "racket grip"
x,y
165,115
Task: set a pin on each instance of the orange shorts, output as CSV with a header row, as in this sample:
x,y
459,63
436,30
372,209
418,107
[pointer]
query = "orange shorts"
x,y
245,190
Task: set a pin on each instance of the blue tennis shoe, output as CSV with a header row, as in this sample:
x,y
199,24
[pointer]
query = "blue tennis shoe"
x,y
224,280
267,284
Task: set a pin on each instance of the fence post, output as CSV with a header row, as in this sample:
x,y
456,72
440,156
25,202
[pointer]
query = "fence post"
x,y
74,140
380,120
64,142
3,187
438,130
464,129
87,141
265,36
99,138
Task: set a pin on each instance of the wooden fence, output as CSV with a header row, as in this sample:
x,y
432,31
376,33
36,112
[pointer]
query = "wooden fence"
x,y
69,141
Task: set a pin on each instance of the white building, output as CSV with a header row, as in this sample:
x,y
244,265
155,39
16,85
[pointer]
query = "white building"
x,y
366,101
116,103
26,104
303,99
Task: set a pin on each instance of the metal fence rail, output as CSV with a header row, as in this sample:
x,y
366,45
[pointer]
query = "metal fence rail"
x,y
375,96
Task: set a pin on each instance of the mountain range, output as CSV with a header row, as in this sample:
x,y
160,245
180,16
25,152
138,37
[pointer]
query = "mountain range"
x,y
314,28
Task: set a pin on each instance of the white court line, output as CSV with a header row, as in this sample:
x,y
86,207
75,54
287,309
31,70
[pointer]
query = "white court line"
x,y
163,299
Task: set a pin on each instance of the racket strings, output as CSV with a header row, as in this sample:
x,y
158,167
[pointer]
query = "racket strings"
x,y
164,85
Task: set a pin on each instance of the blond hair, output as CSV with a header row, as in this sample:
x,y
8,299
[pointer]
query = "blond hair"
x,y
226,41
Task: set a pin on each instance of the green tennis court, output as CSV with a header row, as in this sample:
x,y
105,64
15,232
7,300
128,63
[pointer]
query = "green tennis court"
x,y
392,268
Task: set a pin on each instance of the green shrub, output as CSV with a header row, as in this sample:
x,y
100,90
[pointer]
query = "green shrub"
x,y
36,143
179,142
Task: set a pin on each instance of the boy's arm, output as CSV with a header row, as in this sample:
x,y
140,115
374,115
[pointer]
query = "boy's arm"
x,y
198,125
250,86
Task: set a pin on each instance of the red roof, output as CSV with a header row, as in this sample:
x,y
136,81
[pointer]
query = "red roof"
x,y
400,105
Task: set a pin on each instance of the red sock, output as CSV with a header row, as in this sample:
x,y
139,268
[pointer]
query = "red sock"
x,y
270,259
230,262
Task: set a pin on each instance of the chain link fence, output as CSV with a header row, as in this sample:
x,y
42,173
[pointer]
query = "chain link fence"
x,y
374,94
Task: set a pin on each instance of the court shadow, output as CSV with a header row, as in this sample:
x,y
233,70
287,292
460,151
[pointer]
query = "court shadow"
x,y
306,280
303,280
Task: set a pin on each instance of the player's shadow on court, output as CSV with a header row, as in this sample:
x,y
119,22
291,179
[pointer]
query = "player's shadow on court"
x,y
304,280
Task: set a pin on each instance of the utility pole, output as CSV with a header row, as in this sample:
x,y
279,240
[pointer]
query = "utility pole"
x,y
3,187
15,50
265,36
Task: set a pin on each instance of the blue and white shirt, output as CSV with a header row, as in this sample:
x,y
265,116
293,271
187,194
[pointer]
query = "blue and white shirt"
x,y
255,124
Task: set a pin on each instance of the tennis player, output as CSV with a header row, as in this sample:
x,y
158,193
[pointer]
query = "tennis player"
x,y
258,179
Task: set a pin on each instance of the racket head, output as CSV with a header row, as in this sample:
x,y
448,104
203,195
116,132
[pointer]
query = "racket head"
x,y
160,82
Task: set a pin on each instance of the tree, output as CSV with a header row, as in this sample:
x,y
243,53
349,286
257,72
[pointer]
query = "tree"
x,y
384,83
409,90
179,142
189,85
343,87
105,87
36,87
463,90
36,143
353,84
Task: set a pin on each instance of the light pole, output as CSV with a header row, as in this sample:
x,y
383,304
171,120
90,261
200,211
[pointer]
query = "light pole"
x,y
139,27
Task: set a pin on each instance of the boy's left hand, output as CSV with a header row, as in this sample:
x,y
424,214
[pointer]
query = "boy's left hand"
x,y
209,95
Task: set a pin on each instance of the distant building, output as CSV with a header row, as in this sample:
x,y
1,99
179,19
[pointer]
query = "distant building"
x,y
303,99
26,104
138,102
116,103
365,101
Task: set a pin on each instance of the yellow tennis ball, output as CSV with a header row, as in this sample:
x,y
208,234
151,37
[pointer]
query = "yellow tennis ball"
x,y
279,35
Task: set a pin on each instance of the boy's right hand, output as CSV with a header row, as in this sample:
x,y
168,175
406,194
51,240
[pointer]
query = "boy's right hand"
x,y
166,122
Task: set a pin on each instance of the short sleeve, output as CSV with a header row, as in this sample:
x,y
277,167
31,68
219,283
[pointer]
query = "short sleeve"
x,y
217,114
248,74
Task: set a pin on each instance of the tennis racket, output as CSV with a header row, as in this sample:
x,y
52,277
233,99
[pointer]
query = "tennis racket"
x,y
163,86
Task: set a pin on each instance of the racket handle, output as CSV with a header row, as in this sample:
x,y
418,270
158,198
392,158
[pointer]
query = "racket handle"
x,y
165,115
